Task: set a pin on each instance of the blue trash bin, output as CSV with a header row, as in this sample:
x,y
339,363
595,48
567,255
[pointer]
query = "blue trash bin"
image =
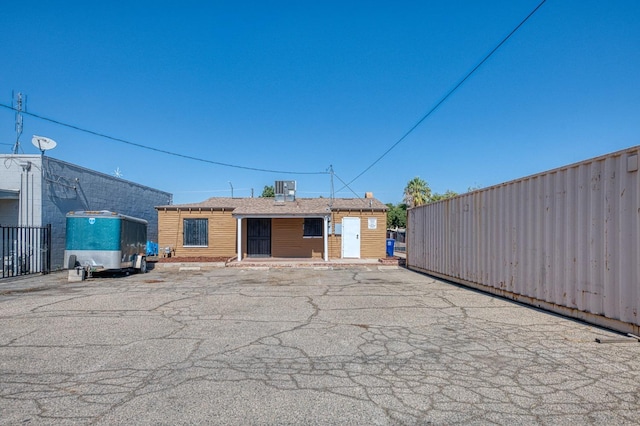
x,y
152,248
390,246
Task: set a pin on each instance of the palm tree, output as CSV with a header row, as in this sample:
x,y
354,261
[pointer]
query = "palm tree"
x,y
417,192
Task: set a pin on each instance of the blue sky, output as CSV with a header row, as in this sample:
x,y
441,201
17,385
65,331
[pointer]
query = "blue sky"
x,y
300,86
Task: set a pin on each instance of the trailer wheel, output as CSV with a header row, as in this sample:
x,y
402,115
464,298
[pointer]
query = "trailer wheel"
x,y
73,259
143,265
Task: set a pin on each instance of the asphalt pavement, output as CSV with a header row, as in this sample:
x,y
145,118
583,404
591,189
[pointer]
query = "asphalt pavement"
x,y
352,345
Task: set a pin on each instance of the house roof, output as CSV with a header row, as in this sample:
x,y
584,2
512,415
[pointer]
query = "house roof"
x,y
269,207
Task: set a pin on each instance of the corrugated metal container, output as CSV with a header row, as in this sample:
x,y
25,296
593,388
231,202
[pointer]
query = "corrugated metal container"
x,y
566,240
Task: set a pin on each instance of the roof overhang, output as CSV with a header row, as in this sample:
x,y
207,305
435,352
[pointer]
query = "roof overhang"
x,y
266,207
8,194
278,216
193,208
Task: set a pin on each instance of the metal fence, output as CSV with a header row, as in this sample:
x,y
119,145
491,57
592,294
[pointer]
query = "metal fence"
x,y
25,250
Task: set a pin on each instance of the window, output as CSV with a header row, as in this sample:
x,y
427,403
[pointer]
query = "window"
x,y
313,227
196,233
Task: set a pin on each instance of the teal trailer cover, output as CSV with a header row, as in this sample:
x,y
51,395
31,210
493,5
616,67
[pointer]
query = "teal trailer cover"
x,y
93,233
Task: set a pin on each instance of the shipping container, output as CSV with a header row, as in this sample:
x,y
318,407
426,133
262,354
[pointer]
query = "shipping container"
x,y
105,240
566,240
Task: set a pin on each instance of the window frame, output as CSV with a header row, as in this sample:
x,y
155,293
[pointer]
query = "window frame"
x,y
195,235
307,228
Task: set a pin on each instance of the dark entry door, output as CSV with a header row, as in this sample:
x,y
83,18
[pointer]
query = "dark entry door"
x,y
259,237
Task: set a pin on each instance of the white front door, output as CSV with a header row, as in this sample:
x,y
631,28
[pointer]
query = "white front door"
x,y
351,237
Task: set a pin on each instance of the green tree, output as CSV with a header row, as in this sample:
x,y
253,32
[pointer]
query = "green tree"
x,y
417,192
397,216
437,197
268,192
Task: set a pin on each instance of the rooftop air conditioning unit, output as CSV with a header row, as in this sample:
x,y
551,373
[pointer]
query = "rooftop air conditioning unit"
x,y
285,190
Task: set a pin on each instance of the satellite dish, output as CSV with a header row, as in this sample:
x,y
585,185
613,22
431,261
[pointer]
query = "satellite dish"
x,y
42,143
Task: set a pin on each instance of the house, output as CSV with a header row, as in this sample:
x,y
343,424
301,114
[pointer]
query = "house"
x,y
316,228
37,190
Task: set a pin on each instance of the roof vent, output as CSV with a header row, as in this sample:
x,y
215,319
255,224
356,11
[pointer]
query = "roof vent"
x,y
285,190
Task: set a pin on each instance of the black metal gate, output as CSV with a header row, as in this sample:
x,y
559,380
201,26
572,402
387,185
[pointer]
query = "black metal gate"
x,y
259,237
25,250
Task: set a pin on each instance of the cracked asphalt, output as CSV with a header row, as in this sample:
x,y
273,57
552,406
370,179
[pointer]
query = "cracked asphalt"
x,y
292,346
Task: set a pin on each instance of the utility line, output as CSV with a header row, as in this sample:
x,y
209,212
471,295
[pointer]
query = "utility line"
x,y
346,185
188,157
445,97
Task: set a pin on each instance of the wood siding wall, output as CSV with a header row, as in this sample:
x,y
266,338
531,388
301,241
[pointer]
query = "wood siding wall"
x,y
373,242
287,240
222,233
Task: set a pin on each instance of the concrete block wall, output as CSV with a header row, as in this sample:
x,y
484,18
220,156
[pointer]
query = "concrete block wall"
x,y
68,187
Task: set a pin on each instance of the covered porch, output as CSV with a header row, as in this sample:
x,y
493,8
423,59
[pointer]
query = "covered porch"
x,y
295,236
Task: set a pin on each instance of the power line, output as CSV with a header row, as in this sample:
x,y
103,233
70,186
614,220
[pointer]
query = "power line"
x,y
445,97
346,185
150,148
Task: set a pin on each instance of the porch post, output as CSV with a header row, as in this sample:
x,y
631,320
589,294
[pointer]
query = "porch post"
x,y
239,242
325,237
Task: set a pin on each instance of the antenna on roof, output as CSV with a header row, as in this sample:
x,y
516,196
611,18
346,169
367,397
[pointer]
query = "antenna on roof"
x,y
42,143
18,109
331,176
